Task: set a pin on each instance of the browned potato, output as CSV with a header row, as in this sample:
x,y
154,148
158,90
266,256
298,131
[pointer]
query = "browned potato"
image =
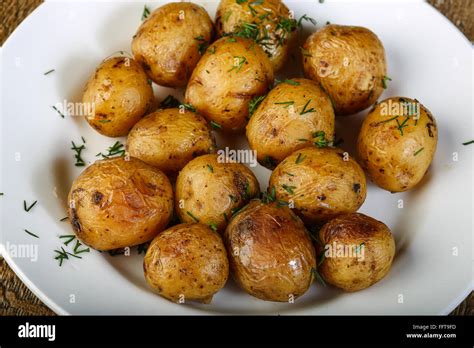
x,y
187,262
210,189
117,96
292,116
117,203
170,138
270,252
171,41
320,183
268,22
397,143
349,63
230,74
358,251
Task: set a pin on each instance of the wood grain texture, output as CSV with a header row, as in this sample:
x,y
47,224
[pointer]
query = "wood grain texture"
x,y
16,299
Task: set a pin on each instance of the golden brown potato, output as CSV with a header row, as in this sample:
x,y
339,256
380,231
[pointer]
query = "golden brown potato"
x,y
171,41
170,138
187,262
270,252
349,62
358,251
230,74
397,143
117,96
292,116
268,22
210,189
320,183
117,203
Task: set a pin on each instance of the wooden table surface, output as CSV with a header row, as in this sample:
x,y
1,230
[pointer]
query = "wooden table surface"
x,y
16,299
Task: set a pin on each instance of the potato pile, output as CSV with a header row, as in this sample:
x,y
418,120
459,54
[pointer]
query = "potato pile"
x,y
204,213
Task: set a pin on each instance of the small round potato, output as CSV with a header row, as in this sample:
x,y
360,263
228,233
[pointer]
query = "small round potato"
x,y
349,62
117,96
119,202
320,183
270,252
264,22
397,143
210,189
291,117
170,138
187,262
171,41
358,251
230,74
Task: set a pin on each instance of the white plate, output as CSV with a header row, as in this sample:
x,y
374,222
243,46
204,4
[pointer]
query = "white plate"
x,y
428,59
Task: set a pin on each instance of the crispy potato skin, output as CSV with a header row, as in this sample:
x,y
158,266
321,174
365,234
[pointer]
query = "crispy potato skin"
x,y
270,252
350,64
210,190
223,83
230,16
321,185
120,95
357,230
276,130
166,44
393,161
168,139
187,262
116,203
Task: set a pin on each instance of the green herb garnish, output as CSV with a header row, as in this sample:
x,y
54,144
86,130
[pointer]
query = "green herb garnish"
x,y
300,158
49,72
215,125
28,208
289,189
31,233
192,216
145,13
210,168
307,111
213,226
384,81
78,153
254,104
57,110
239,63
69,238
468,142
116,150
418,151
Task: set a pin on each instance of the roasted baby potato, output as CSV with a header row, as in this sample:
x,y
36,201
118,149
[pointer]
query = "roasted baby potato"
x,y
349,63
171,41
170,138
397,143
210,189
119,202
270,252
358,251
187,262
117,96
292,116
320,183
268,22
230,74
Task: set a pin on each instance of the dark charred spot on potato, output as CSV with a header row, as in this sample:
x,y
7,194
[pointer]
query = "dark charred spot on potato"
x,y
274,132
356,188
240,182
322,197
118,63
75,222
97,197
430,131
381,170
